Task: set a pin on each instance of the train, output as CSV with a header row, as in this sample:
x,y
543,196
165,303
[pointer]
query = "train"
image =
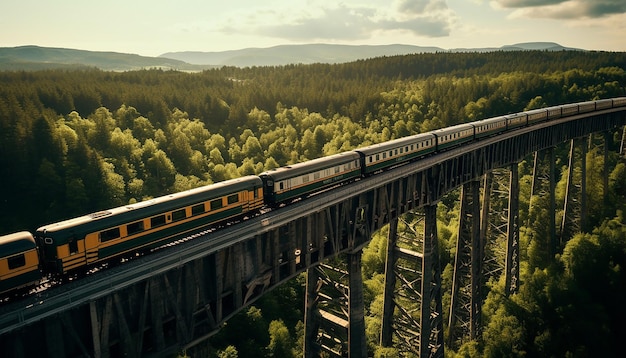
x,y
77,244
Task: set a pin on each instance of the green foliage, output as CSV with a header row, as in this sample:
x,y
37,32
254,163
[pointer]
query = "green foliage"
x,y
228,352
280,340
571,305
256,336
386,352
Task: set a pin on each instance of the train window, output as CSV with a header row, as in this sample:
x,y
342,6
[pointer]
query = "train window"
x,y
385,155
197,209
396,152
401,150
73,245
377,157
217,203
134,228
337,169
391,153
406,149
16,261
110,234
282,186
233,198
178,215
317,175
305,178
157,221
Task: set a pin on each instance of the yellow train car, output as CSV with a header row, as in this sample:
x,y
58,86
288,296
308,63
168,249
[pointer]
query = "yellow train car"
x,y
78,242
19,262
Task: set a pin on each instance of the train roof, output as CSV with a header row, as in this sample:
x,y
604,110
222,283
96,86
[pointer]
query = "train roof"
x,y
399,142
453,129
310,165
488,120
537,110
16,243
159,204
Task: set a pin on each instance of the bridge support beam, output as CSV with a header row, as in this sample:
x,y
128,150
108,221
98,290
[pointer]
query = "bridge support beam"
x,y
622,147
327,328
311,314
544,185
494,222
608,142
466,300
431,315
335,311
512,247
357,344
574,210
386,331
413,271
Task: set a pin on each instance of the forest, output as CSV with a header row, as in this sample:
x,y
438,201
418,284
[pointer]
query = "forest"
x,y
79,141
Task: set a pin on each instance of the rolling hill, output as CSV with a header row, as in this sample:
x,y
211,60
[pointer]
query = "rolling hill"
x,y
325,53
36,58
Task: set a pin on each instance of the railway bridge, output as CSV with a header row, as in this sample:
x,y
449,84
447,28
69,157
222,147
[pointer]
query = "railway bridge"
x,y
177,297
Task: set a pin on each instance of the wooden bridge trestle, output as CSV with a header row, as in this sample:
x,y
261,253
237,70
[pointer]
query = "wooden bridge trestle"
x,y
172,300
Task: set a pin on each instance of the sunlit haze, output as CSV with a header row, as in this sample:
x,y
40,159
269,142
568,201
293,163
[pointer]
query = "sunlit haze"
x,y
151,28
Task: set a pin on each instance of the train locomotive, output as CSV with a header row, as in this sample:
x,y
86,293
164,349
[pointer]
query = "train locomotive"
x,y
79,243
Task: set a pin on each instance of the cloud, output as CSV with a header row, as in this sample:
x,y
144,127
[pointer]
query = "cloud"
x,y
428,18
431,27
421,6
564,9
334,23
527,3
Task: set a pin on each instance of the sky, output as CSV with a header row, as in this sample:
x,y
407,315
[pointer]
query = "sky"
x,y
154,27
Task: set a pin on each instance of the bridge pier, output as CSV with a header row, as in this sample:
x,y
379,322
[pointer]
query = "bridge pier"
x,y
312,316
544,185
431,315
512,247
335,311
466,300
413,270
356,327
574,207
386,331
622,147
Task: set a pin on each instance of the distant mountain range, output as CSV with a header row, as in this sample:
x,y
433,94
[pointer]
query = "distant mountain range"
x,y
36,58
324,53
